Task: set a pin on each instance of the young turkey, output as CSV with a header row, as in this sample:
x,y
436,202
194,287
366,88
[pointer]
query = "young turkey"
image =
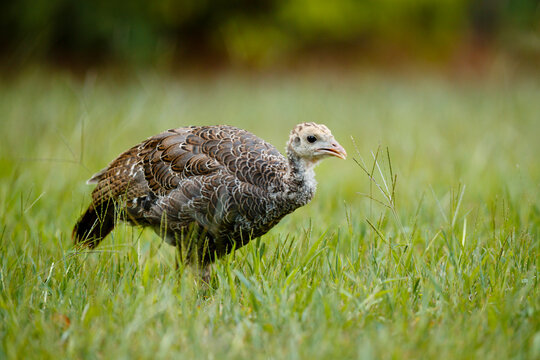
x,y
206,189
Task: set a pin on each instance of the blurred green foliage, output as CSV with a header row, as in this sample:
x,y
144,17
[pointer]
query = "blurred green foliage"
x,y
248,32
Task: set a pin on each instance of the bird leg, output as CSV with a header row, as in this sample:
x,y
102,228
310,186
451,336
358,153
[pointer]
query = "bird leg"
x,y
205,273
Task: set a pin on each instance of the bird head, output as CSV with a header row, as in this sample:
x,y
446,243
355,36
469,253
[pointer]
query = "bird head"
x,y
314,142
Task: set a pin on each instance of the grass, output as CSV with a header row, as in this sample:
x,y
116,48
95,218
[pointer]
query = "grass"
x,y
423,244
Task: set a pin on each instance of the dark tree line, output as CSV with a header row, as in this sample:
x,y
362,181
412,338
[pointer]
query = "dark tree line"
x,y
246,31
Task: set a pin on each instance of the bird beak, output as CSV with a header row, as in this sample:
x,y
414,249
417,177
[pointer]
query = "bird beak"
x,y
335,150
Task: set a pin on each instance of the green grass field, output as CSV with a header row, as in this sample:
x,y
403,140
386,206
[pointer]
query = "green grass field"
x,y
434,255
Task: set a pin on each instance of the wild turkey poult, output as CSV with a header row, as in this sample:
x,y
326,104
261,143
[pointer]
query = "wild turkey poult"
x,y
206,189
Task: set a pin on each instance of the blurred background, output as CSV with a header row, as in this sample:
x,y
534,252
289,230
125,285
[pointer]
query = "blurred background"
x,y
173,35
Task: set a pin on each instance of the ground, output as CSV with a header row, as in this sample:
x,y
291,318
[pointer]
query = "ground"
x,y
423,244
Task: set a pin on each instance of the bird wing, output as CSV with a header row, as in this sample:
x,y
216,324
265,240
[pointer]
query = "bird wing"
x,y
166,161
173,156
181,153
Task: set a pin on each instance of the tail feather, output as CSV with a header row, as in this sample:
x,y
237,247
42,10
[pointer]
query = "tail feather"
x,y
94,225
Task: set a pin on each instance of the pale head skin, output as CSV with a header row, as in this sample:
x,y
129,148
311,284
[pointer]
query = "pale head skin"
x,y
313,142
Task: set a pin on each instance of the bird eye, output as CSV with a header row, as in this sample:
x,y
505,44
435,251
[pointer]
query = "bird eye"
x,y
311,138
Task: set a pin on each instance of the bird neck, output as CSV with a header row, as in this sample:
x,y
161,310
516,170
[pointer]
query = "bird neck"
x,y
301,178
